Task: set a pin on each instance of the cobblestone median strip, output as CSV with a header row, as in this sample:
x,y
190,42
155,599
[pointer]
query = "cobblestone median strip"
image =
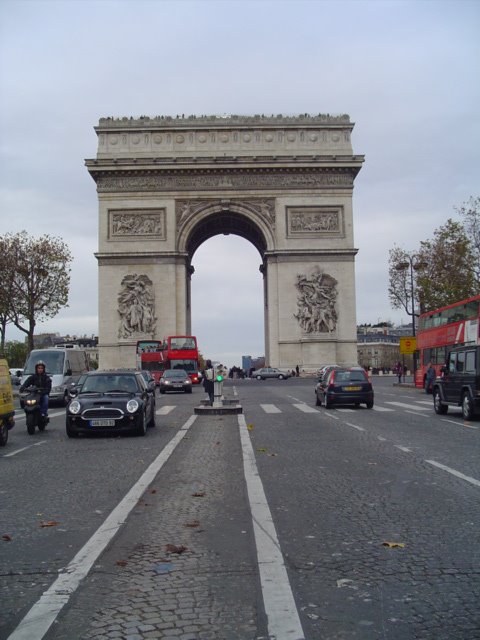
x,y
42,615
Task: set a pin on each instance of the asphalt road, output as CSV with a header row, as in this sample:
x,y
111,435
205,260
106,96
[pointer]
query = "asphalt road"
x,y
347,523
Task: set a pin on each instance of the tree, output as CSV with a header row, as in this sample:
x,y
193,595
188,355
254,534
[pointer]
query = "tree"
x,y
470,212
403,274
7,275
449,273
41,279
16,354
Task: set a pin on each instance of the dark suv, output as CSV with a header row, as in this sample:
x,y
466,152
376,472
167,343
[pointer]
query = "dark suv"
x,y
459,385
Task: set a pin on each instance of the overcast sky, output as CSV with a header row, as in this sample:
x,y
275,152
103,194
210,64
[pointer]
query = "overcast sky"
x,y
407,73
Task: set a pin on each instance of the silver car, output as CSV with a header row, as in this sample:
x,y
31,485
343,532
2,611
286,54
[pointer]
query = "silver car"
x,y
270,372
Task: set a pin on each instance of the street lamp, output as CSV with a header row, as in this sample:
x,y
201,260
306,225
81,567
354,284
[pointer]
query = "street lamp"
x,y
402,266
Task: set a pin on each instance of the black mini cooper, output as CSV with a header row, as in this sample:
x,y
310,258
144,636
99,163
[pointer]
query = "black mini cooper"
x,y
111,402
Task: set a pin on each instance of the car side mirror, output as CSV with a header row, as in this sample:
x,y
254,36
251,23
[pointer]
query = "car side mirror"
x,y
73,393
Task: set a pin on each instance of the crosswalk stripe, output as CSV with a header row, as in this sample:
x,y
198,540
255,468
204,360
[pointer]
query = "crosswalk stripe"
x,y
404,405
306,408
270,408
377,408
163,411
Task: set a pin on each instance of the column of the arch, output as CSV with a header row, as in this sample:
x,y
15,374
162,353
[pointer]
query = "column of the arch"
x,y
271,312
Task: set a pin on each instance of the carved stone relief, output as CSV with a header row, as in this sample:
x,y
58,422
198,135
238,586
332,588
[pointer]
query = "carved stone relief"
x,y
315,221
125,223
203,181
136,306
317,302
262,207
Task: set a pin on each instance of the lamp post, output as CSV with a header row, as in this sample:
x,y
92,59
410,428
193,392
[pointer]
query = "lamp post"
x,y
402,266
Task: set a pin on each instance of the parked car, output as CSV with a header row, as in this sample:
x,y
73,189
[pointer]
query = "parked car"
x,y
111,402
460,384
344,385
270,372
175,380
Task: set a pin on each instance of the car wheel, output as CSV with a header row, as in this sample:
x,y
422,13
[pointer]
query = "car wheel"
x,y
440,409
141,428
151,422
328,404
467,407
3,434
369,404
318,402
280,377
71,433
259,377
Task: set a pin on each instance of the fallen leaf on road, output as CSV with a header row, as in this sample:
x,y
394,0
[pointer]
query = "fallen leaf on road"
x,y
6,537
198,494
194,523
262,450
121,563
153,491
394,545
172,548
272,455
249,427
48,523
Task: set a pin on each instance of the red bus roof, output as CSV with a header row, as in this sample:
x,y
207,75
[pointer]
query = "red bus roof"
x,y
450,306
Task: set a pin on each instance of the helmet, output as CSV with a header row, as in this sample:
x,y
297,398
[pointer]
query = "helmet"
x,y
40,363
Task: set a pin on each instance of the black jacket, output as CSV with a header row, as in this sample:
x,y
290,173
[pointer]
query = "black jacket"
x,y
40,380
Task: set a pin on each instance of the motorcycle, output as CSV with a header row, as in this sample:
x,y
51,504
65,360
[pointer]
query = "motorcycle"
x,y
31,405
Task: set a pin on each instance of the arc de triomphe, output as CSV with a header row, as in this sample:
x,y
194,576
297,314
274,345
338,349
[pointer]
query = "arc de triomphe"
x,y
165,185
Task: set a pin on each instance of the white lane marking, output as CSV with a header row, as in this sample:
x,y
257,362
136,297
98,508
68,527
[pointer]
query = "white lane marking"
x,y
415,413
404,405
330,415
44,612
381,439
377,408
454,472
355,426
406,449
270,408
427,402
306,408
345,410
459,424
163,411
50,415
14,453
282,615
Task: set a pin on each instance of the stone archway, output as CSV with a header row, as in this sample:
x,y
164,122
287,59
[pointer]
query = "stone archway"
x,y
285,184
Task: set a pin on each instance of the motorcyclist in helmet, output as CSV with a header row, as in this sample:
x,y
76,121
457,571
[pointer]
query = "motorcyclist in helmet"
x,y
42,381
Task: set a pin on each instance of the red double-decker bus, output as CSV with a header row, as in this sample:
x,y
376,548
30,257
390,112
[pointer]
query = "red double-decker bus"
x,y
181,352
455,324
173,352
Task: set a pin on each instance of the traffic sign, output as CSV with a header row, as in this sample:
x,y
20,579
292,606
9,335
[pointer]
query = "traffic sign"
x,y
408,345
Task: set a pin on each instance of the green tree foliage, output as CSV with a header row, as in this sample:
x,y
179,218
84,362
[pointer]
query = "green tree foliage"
x,y
470,213
449,273
443,270
16,354
37,271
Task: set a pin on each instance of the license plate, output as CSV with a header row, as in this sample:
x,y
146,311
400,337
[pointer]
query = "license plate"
x,y
102,423
178,386
352,388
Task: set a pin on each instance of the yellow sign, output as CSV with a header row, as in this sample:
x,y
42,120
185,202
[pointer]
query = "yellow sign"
x,y
408,345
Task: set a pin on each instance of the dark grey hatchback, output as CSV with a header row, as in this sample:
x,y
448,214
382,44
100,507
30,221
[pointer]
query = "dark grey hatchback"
x,y
111,402
345,386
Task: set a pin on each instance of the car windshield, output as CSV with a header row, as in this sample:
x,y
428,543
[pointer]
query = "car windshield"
x,y
109,383
53,361
350,376
175,373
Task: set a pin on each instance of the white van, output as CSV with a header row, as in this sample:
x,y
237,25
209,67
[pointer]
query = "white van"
x,y
64,366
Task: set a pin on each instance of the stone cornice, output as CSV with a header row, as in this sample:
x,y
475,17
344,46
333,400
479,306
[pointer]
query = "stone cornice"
x,y
224,179
222,122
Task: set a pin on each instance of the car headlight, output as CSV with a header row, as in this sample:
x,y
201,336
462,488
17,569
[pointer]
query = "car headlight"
x,y
74,407
167,382
132,406
188,381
